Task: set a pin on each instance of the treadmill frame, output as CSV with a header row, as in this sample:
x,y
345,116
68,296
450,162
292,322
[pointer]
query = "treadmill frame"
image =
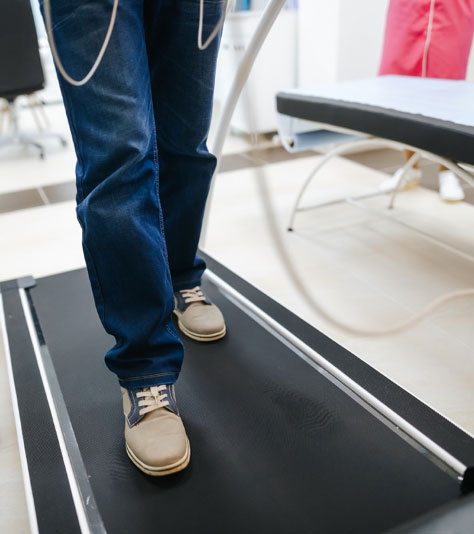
x,y
381,397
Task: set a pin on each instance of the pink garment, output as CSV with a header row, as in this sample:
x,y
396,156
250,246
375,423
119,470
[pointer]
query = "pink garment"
x,y
429,38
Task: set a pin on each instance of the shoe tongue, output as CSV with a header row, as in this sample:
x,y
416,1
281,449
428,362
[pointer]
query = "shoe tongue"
x,y
171,398
155,392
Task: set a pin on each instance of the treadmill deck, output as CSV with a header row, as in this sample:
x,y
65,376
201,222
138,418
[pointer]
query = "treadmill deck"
x,y
275,446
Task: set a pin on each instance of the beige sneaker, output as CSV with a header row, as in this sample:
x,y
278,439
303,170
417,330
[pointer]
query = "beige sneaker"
x,y
197,317
155,438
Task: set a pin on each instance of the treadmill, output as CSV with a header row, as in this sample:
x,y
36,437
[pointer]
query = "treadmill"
x,y
289,431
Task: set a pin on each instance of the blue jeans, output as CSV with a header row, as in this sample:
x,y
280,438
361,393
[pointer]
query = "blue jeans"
x,y
143,169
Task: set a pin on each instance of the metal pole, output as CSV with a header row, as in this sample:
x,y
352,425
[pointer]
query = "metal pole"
x,y
265,25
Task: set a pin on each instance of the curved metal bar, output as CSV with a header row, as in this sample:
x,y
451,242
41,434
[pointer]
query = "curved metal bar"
x,y
435,158
413,160
337,151
341,149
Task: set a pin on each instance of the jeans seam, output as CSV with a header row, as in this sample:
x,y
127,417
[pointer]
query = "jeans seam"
x,y
157,192
133,407
99,286
80,189
174,334
157,181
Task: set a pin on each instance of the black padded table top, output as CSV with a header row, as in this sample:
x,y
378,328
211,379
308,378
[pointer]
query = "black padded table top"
x,y
276,446
429,114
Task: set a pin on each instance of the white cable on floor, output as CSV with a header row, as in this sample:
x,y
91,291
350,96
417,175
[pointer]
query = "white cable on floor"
x,y
305,293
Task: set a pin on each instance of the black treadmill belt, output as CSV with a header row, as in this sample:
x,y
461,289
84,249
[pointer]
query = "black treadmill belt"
x,y
275,446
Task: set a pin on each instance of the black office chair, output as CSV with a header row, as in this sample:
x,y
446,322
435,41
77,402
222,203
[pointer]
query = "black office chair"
x,y
21,72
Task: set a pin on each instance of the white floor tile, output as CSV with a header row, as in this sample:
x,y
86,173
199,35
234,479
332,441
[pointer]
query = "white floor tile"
x,y
40,241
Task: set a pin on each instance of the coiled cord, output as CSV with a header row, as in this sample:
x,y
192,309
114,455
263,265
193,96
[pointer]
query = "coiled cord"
x,y
54,51
108,35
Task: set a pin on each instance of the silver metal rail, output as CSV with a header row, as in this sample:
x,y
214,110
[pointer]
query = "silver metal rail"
x,y
30,503
279,331
265,25
87,512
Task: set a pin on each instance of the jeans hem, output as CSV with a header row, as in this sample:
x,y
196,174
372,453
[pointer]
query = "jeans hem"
x,y
157,379
187,284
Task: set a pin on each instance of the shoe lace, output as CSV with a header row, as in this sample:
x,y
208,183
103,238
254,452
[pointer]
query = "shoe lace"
x,y
153,398
193,295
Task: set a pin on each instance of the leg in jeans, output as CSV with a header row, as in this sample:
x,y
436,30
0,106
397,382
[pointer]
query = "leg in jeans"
x,y
118,207
182,82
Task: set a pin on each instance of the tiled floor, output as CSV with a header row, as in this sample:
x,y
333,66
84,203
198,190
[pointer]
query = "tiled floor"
x,y
366,267
366,270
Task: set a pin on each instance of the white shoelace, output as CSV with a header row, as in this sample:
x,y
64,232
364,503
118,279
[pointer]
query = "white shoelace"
x,y
192,295
153,398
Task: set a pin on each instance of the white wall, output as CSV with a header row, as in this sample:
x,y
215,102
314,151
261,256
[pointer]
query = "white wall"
x,y
274,69
361,33
317,41
339,39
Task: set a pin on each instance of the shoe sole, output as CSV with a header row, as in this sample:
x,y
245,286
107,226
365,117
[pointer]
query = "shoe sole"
x,y
412,184
200,337
161,471
452,200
